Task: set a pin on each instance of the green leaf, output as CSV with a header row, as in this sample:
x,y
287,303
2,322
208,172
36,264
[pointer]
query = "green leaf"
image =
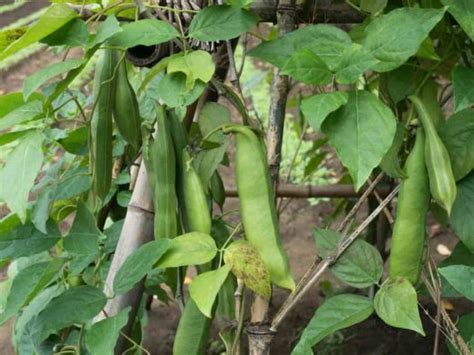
x,y
390,163
73,183
458,137
461,277
18,239
212,116
76,141
83,237
173,90
9,36
189,249
113,235
19,173
53,19
192,334
106,30
143,32
102,336
373,6
22,329
73,34
463,210
247,265
28,283
463,87
37,79
326,41
307,67
460,255
354,62
465,325
138,264
10,102
13,136
217,23
338,312
196,65
205,287
21,114
463,12
396,36
397,84
75,306
361,264
361,131
317,107
396,303
427,50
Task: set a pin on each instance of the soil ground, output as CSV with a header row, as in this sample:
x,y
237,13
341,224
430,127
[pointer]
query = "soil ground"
x,y
297,221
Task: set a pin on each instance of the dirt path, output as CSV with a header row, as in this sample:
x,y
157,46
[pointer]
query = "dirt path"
x,y
24,10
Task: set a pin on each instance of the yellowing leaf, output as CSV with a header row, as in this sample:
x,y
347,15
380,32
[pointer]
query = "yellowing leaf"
x,y
195,65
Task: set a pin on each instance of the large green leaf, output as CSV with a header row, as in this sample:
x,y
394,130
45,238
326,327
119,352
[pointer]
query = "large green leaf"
x,y
189,249
463,209
53,19
23,325
17,239
205,287
83,237
336,313
174,92
328,42
102,336
21,114
196,65
307,67
458,137
216,23
19,173
317,107
463,12
361,131
354,62
143,32
461,277
247,264
28,283
396,303
37,79
463,87
396,36
105,30
73,34
361,264
75,306
138,264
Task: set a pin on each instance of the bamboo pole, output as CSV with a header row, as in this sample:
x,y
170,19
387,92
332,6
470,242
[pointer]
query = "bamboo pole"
x,y
137,230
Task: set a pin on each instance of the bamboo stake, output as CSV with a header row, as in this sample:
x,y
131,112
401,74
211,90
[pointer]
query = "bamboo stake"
x,y
279,94
137,230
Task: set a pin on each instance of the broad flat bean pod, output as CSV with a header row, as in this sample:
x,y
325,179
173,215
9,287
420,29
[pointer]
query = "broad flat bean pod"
x,y
102,130
257,204
195,199
126,110
442,182
408,238
164,168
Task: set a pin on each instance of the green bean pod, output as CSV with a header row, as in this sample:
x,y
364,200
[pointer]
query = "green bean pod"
x,y
164,167
257,204
193,331
126,110
102,130
195,199
442,182
408,239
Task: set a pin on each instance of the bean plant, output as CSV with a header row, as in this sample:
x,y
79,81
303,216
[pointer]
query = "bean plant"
x,y
111,170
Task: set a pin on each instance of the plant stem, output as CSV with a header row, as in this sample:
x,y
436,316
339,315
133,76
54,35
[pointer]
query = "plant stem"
x,y
301,290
